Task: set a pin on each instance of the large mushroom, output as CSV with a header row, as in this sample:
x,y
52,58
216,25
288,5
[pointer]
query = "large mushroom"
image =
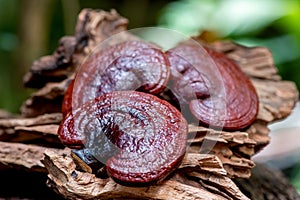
x,y
219,94
139,137
132,65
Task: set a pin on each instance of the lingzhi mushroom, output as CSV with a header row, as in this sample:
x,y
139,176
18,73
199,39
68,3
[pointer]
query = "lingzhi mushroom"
x,y
112,111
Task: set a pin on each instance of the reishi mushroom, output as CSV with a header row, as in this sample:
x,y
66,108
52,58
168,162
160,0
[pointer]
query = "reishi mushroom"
x,y
140,138
137,136
218,92
132,65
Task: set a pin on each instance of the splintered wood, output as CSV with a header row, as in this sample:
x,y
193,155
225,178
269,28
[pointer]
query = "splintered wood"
x,y
74,184
213,157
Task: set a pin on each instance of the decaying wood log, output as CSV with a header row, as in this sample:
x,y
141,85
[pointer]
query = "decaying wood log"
x,y
235,150
5,114
46,100
213,157
267,183
22,129
23,156
28,157
74,184
92,28
43,119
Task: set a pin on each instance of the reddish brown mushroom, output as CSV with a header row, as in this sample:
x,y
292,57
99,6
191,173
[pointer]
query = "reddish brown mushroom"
x,y
139,137
133,65
218,92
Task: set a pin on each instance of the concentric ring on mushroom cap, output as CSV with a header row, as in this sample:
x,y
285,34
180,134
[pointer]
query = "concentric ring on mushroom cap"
x,y
139,137
131,65
231,102
163,37
195,76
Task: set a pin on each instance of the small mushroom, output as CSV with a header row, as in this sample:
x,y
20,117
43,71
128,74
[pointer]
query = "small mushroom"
x,y
218,92
139,137
132,65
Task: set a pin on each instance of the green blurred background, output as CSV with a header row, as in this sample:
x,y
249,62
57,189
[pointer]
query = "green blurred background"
x,y
32,28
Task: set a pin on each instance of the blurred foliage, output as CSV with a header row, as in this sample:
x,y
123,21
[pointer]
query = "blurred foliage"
x,y
270,23
294,174
8,42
